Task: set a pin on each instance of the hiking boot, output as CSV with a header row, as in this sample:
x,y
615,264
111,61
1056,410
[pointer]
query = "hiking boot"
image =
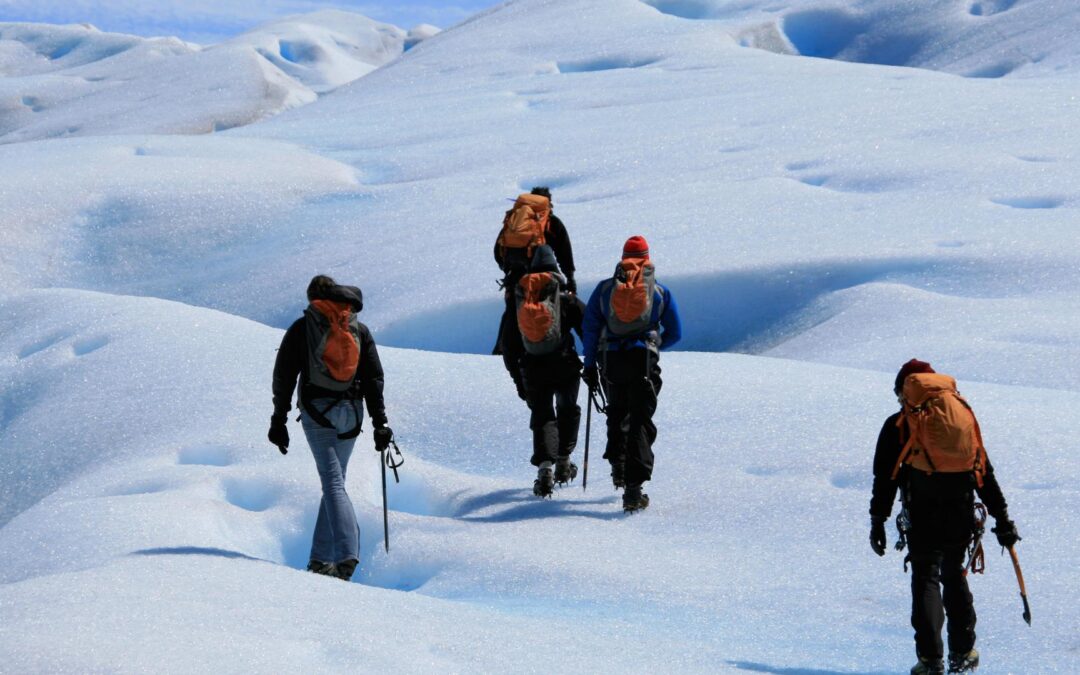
x,y
618,473
928,667
544,483
320,567
565,471
963,663
345,569
634,499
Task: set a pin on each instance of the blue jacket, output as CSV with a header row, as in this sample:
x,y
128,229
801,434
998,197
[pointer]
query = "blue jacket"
x,y
596,320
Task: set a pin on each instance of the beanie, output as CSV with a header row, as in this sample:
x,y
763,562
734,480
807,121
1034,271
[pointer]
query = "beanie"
x,y
636,247
544,260
910,368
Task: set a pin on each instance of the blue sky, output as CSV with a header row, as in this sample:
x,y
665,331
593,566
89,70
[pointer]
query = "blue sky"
x,y
207,21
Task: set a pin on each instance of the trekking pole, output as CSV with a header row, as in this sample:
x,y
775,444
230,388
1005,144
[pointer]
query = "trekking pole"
x,y
1020,580
600,408
385,511
385,461
588,428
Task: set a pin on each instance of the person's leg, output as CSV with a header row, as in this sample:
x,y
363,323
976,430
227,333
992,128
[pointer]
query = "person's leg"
x,y
927,612
322,542
959,605
542,421
326,450
568,413
641,432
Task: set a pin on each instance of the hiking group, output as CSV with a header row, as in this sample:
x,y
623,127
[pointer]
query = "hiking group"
x,y
931,451
629,318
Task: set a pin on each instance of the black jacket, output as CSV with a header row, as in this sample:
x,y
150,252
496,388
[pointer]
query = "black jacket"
x,y
559,240
919,487
292,362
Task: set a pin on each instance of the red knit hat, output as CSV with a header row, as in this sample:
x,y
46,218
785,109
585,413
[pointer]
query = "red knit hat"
x,y
635,247
910,368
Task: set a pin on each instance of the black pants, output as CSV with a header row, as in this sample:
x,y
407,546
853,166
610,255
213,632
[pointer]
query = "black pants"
x,y
633,382
940,534
554,429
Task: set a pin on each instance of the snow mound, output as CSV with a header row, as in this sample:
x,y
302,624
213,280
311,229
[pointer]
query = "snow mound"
x,y
326,49
66,81
973,38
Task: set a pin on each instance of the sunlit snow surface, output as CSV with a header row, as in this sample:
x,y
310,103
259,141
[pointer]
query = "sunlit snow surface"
x,y
828,218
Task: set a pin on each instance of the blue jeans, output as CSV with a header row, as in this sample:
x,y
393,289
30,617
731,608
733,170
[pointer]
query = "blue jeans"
x,y
337,536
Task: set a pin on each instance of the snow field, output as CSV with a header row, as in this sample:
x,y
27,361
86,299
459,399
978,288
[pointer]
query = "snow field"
x,y
811,214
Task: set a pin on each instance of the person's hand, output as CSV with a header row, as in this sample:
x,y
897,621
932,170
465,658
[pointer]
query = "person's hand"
x,y
877,534
571,285
279,435
1006,533
383,436
591,375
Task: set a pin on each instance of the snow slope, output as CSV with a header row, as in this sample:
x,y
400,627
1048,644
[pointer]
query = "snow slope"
x,y
825,217
175,524
65,81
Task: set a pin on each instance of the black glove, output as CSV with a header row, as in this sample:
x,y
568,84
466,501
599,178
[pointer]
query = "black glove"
x,y
591,375
571,285
383,436
1006,533
877,534
279,435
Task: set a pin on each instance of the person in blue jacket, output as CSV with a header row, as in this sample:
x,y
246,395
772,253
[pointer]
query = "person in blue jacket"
x,y
629,319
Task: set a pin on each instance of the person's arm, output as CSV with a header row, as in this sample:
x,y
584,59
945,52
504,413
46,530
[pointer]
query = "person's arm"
x,y
991,495
287,368
564,251
574,314
592,325
670,322
888,450
370,374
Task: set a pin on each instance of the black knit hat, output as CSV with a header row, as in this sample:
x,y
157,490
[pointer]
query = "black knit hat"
x,y
543,260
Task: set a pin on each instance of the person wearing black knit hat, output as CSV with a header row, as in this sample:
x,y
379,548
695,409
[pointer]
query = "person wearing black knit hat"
x,y
508,342
938,506
550,368
334,358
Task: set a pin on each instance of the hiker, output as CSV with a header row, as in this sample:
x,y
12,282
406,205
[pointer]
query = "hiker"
x,y
528,224
630,318
550,368
335,358
937,486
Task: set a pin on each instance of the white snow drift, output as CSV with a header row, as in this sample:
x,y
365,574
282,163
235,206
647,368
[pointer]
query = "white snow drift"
x,y
828,217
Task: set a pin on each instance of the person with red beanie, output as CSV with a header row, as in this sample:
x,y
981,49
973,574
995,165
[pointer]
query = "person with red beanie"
x,y
938,513
630,318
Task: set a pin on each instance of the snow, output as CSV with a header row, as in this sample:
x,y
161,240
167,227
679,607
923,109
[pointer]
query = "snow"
x,y
820,220
64,81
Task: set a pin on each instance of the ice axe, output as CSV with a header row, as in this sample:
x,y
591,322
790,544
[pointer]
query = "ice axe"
x,y
1020,580
386,460
598,400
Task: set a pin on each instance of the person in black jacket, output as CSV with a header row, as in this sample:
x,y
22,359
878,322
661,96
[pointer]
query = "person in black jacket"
x,y
940,510
331,412
554,376
509,343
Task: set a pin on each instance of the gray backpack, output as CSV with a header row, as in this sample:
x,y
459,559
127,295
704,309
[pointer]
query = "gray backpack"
x,y
333,340
539,311
633,290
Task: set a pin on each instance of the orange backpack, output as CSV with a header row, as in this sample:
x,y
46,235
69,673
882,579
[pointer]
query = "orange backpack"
x,y
524,227
634,287
333,338
539,313
945,435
